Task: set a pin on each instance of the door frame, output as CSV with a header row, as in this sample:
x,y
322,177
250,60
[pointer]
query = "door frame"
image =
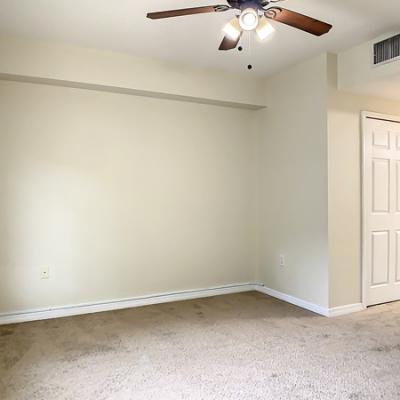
x,y
365,115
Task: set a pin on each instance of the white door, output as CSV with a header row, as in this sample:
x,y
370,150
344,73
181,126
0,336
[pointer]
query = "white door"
x,y
381,209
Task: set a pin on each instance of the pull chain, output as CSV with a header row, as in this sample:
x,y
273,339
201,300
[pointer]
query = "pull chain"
x,y
247,38
250,47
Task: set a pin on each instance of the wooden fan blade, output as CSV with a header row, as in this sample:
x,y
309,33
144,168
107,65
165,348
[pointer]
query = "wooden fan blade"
x,y
299,21
228,43
187,11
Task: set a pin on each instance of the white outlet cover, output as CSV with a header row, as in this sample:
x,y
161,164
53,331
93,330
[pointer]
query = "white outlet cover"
x,y
45,273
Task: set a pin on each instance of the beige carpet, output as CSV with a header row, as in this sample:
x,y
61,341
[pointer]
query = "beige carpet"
x,y
245,346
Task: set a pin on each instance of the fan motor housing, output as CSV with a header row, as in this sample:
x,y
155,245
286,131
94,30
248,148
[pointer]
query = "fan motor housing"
x,y
243,4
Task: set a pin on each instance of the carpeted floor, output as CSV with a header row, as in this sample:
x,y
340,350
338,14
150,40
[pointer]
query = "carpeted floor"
x,y
245,346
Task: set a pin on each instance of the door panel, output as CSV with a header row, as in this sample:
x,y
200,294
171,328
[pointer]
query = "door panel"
x,y
397,186
380,185
381,197
380,258
381,139
397,256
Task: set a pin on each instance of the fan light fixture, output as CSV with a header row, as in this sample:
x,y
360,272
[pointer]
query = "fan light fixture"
x,y
248,19
264,29
232,29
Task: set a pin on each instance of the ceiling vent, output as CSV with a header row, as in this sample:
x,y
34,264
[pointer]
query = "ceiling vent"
x,y
387,50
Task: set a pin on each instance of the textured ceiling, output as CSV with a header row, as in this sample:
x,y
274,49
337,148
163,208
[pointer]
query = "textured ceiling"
x,y
120,25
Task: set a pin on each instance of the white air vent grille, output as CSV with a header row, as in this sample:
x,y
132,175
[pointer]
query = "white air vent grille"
x,y
387,50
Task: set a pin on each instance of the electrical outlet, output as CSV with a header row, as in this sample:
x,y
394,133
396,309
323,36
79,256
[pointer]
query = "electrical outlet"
x,y
282,261
44,272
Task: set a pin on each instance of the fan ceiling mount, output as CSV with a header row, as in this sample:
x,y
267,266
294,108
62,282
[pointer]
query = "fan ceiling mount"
x,y
254,15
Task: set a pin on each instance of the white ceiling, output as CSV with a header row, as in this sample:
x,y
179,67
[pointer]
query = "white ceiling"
x,y
120,25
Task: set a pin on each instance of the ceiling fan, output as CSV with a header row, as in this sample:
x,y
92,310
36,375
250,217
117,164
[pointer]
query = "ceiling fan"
x,y
254,16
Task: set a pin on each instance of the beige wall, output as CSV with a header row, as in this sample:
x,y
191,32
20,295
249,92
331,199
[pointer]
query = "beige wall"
x,y
120,196
293,183
72,65
124,196
310,180
344,139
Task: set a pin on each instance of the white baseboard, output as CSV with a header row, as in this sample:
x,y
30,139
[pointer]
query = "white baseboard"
x,y
344,310
326,312
294,300
90,308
